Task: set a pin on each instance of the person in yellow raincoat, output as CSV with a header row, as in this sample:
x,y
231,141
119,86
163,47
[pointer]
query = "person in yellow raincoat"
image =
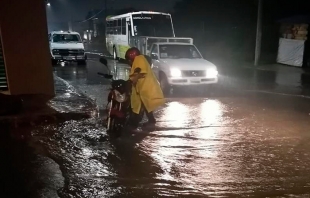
x,y
146,94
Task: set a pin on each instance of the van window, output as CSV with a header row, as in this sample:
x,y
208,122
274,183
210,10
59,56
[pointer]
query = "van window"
x,y
60,38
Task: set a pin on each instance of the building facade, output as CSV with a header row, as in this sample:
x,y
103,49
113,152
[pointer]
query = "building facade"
x,y
25,62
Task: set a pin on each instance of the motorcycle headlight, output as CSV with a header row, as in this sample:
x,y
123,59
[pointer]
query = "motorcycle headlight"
x,y
212,73
119,97
175,73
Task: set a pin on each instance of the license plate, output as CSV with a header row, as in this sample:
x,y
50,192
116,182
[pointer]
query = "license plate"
x,y
68,58
195,81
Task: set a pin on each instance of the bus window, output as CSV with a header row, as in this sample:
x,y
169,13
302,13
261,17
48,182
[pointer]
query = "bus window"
x,y
119,27
124,26
108,27
114,27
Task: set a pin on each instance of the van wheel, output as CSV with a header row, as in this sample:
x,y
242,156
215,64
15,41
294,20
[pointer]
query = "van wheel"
x,y
114,54
164,84
54,62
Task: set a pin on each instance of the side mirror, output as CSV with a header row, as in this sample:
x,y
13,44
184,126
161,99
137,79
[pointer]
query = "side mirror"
x,y
149,59
154,56
103,61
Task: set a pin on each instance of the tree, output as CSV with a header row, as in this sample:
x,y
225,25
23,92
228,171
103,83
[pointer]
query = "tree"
x,y
226,25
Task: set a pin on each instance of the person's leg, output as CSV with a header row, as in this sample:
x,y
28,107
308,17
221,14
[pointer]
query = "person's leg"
x,y
150,117
134,120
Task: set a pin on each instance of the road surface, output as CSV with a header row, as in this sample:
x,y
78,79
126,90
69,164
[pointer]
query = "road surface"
x,y
232,143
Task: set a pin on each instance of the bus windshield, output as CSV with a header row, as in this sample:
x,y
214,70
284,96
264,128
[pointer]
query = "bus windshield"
x,y
156,25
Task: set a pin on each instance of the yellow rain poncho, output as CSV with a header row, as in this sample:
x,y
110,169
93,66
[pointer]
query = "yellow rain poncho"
x,y
147,89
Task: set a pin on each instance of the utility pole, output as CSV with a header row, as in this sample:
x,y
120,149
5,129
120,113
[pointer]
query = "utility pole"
x,y
70,26
258,32
105,19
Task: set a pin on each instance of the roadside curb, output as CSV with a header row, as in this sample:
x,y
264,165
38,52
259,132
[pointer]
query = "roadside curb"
x,y
60,108
33,120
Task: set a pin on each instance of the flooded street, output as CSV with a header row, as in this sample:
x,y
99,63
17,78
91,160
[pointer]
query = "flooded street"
x,y
227,144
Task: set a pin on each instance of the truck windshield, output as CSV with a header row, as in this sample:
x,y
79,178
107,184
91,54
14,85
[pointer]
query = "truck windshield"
x,y
60,38
178,51
156,25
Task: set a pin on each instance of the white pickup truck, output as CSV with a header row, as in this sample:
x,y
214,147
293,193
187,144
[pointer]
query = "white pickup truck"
x,y
66,46
181,64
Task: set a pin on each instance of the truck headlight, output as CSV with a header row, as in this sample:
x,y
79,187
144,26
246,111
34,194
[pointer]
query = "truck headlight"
x,y
175,73
212,73
55,51
81,51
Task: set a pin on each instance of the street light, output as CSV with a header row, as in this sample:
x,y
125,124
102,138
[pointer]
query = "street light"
x,y
48,4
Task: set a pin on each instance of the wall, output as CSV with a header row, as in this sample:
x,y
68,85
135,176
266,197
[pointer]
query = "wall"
x,y
24,32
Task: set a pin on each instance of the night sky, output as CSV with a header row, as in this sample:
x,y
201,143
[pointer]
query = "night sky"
x,y
60,10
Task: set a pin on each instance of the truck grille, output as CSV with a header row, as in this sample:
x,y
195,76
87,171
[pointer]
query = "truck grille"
x,y
68,52
192,73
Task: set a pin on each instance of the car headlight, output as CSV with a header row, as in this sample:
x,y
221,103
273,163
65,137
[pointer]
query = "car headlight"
x,y
212,73
119,97
81,51
175,73
55,51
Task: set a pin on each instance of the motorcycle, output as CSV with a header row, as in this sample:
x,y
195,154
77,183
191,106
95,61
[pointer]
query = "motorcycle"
x,y
118,107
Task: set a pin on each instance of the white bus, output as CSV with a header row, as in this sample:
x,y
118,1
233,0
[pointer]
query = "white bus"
x,y
123,31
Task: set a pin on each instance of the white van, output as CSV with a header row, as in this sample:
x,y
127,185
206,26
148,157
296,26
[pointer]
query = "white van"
x,y
66,46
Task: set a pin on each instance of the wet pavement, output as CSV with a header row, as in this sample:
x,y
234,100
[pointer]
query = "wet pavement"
x,y
230,143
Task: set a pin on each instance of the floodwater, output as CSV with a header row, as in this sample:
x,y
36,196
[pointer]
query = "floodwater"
x,y
224,145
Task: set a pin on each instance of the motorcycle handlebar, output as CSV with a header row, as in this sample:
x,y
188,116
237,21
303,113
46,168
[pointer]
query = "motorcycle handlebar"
x,y
108,76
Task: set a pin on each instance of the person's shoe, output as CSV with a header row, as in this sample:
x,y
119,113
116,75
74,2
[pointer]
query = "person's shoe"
x,y
149,124
134,129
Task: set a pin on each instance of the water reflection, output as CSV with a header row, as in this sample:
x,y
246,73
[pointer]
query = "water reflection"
x,y
186,154
177,114
211,112
71,72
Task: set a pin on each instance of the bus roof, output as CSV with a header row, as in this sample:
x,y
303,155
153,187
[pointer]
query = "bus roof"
x,y
63,32
131,13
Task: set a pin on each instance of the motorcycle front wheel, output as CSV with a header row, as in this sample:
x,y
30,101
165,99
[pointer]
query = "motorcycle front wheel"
x,y
116,127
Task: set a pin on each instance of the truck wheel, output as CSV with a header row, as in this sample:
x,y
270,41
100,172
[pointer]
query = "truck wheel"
x,y
114,54
81,62
164,84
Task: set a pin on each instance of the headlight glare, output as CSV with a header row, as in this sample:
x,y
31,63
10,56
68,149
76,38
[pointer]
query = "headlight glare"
x,y
175,73
212,73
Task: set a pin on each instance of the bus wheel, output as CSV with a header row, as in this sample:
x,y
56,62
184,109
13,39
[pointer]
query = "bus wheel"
x,y
114,54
